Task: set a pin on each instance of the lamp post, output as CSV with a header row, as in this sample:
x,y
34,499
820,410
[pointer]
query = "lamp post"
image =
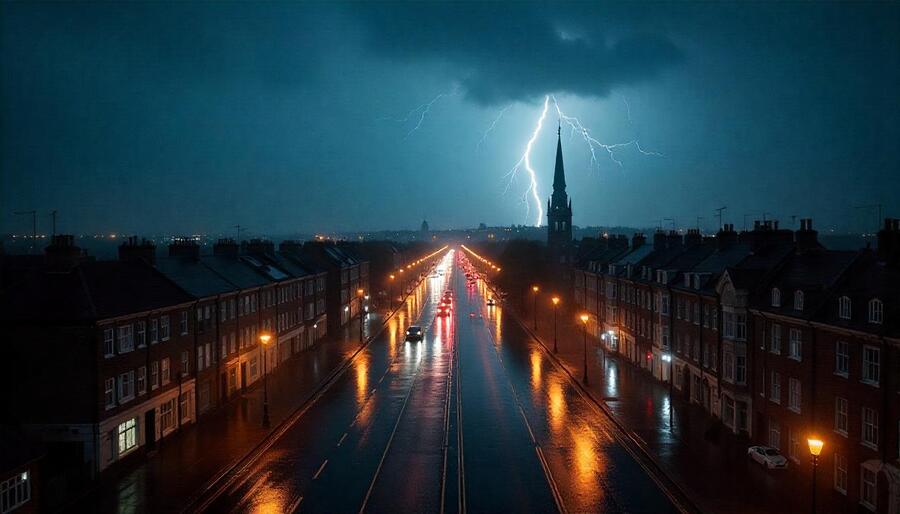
x,y
535,289
555,308
264,338
815,449
584,320
359,293
391,291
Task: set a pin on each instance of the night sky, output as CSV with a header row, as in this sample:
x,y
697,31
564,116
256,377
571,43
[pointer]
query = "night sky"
x,y
194,117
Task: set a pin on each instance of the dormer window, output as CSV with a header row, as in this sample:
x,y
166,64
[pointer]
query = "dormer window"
x,y
798,300
844,307
776,297
687,280
876,311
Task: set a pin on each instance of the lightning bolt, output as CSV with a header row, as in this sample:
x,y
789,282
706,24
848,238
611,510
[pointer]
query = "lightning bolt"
x,y
525,162
421,112
593,144
491,128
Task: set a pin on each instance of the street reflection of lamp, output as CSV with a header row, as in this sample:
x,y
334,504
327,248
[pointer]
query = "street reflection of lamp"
x,y
555,308
535,290
359,294
584,320
264,338
815,449
667,357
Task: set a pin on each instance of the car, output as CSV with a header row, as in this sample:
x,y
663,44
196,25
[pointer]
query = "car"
x,y
414,333
767,456
443,311
490,302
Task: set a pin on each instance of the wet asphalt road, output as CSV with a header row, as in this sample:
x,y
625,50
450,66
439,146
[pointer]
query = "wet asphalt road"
x,y
475,417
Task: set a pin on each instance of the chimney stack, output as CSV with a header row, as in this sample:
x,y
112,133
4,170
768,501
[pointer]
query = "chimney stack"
x,y
659,240
726,236
226,247
693,237
62,254
184,247
257,247
618,241
889,242
291,246
638,240
134,250
806,238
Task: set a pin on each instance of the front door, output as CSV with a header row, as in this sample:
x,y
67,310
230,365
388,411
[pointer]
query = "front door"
x,y
150,429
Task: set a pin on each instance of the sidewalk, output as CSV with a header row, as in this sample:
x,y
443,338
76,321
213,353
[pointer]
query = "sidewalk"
x,y
186,463
697,453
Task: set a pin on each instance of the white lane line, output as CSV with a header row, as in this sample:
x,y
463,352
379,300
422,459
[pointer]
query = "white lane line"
x,y
319,471
293,506
342,439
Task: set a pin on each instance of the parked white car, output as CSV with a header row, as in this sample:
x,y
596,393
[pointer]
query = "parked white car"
x,y
768,457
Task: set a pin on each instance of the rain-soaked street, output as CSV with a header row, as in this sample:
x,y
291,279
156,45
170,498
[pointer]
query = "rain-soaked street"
x,y
474,417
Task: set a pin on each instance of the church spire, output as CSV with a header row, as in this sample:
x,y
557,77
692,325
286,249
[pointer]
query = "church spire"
x,y
559,174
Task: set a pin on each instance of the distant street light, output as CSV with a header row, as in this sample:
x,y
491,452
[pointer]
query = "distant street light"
x,y
815,449
391,291
264,338
584,320
535,289
555,308
359,293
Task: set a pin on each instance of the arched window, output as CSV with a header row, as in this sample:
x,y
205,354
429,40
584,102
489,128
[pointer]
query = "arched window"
x,y
844,307
776,297
876,311
798,300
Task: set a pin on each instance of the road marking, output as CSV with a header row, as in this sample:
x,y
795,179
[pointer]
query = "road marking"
x,y
319,471
342,439
293,506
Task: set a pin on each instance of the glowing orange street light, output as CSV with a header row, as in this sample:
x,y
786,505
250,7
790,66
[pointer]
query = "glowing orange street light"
x,y
264,338
535,289
584,320
555,301
815,449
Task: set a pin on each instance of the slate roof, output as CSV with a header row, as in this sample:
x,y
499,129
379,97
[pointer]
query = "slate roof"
x,y
194,277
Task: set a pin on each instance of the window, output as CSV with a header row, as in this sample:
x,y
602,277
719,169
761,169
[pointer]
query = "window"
x,y
154,331
795,348
167,415
142,380
840,473
794,396
185,363
794,446
696,313
776,297
876,311
870,427
183,324
141,334
729,366
775,341
798,300
840,415
844,307
715,319
868,488
201,358
774,433
109,348
740,327
154,375
775,387
728,411
15,492
740,369
841,358
126,386
127,435
870,365
165,371
126,340
164,328
729,324
109,386
664,305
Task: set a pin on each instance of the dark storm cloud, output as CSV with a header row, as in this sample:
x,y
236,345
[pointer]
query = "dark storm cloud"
x,y
500,54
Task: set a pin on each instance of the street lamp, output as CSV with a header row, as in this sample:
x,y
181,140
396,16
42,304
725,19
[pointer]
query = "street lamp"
x,y
264,338
555,308
584,320
391,291
535,289
815,449
667,357
359,293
